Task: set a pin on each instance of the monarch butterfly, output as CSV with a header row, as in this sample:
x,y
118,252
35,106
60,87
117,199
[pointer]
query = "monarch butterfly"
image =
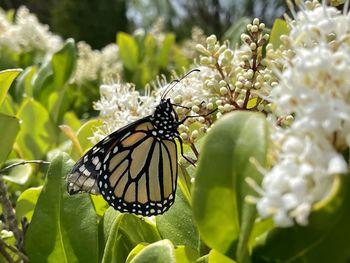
x,y
134,168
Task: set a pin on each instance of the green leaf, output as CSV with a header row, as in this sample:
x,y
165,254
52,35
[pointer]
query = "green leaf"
x,y
37,133
63,64
82,137
23,86
42,82
6,79
128,50
52,78
9,127
182,254
326,238
135,251
125,232
63,227
185,254
234,32
71,119
26,202
158,252
8,107
224,219
165,50
19,174
86,131
100,204
279,28
216,257
150,47
177,224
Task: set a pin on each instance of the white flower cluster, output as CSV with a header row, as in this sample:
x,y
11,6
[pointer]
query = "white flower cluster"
x,y
97,65
314,87
26,33
119,105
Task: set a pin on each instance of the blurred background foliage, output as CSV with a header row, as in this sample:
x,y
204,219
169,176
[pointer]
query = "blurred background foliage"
x,y
135,41
96,22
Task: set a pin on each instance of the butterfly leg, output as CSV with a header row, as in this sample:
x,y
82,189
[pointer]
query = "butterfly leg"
x,y
182,153
204,115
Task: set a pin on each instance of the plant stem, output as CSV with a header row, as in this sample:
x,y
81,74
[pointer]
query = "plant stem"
x,y
194,149
3,244
10,218
22,163
3,251
9,215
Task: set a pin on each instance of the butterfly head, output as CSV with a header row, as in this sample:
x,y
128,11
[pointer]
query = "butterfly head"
x,y
165,119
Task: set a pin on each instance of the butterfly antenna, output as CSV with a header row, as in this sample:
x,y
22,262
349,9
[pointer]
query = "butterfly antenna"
x,y
176,81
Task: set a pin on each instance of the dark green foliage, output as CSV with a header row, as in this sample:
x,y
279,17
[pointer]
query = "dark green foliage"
x,y
94,21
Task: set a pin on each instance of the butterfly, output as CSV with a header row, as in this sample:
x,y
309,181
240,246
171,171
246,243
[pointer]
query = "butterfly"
x,y
134,168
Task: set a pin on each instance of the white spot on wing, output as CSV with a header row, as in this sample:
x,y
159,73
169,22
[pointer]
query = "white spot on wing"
x,y
106,158
82,168
115,149
95,160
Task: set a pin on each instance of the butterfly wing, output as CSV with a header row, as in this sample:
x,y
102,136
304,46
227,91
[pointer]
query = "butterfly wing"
x,y
84,174
133,169
140,174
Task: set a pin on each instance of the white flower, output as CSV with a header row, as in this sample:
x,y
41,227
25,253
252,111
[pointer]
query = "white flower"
x,y
191,88
314,87
302,175
97,65
26,33
120,104
314,25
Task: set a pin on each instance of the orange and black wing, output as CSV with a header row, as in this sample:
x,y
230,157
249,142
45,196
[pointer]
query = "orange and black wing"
x,y
133,169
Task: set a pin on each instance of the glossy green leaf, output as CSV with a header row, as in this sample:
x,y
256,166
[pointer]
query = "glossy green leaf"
x,y
125,232
216,257
105,227
279,28
260,228
135,251
158,252
23,86
224,219
325,239
26,202
42,82
71,119
19,174
83,137
63,227
63,64
185,254
86,131
9,127
100,204
177,224
165,50
8,106
6,79
128,50
49,83
182,254
37,132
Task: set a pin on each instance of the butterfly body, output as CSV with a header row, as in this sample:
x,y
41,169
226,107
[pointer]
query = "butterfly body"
x,y
134,168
